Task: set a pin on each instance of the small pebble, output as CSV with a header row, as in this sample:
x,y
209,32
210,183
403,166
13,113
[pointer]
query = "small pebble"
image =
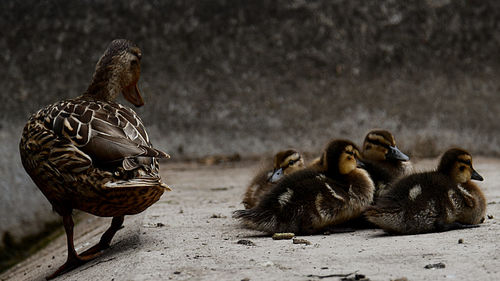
x,y
301,241
460,241
490,217
281,236
245,242
435,265
177,272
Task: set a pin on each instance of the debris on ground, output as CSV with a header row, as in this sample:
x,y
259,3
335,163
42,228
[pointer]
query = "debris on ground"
x,y
245,242
218,159
344,276
356,277
301,241
460,241
217,216
435,265
283,235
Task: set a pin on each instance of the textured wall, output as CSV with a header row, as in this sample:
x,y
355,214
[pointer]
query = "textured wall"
x,y
255,76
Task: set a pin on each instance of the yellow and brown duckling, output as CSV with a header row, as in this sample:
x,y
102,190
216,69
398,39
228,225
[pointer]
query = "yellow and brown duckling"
x,y
434,201
284,163
93,154
311,199
383,160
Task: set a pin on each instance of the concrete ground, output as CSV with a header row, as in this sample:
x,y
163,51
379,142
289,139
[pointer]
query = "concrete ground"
x,y
190,235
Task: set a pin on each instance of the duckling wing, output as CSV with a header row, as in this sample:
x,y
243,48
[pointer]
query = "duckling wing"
x,y
107,132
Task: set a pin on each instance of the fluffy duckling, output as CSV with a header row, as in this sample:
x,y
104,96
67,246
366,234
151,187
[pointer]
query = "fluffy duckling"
x,y
434,201
285,162
93,154
383,160
310,199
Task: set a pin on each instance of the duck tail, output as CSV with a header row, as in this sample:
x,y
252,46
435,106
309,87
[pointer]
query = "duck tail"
x,y
391,220
255,218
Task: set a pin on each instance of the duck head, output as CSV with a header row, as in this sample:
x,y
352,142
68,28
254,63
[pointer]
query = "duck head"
x,y
379,145
339,158
457,163
286,162
118,71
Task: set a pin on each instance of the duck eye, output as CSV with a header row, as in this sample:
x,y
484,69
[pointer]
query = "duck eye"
x,y
290,163
462,168
134,62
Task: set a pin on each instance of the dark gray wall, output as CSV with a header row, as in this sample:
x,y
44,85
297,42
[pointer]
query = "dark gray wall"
x,y
254,76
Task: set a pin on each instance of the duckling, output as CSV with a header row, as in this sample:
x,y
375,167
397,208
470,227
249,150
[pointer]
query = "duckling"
x,y
311,199
434,201
285,162
383,160
93,154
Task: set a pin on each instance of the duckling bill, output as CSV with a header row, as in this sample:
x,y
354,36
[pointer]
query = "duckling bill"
x,y
284,163
93,154
434,201
311,199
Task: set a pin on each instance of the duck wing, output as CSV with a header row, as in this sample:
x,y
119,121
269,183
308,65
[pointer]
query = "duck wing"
x,y
109,133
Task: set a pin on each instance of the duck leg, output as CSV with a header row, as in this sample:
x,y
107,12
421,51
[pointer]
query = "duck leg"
x,y
116,224
73,260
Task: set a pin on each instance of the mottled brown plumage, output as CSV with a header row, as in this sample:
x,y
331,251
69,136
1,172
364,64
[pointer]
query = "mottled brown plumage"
x,y
285,162
433,201
93,154
313,198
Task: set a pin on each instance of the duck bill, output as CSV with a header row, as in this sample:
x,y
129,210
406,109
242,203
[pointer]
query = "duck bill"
x,y
395,154
133,95
360,164
276,176
476,176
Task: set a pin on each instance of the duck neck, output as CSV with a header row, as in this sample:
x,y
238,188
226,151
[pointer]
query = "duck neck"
x,y
104,86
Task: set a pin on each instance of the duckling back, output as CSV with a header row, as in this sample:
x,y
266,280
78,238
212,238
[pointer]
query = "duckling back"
x,y
307,201
427,202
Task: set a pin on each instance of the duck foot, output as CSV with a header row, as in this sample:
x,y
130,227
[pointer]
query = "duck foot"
x,y
74,260
71,263
104,243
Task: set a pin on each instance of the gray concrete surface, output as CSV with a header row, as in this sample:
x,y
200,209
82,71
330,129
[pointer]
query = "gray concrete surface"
x,y
190,235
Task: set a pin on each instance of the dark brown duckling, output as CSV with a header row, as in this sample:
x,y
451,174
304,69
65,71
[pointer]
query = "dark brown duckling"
x,y
93,154
284,163
383,160
313,198
434,201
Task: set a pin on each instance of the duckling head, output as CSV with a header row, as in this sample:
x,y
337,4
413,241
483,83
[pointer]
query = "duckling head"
x,y
286,162
118,71
340,157
457,163
379,145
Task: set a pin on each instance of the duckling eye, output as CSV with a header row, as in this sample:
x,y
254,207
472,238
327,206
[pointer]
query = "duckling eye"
x,y
134,62
291,162
462,168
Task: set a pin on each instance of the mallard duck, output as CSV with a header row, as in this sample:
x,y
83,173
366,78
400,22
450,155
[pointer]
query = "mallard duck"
x,y
311,199
383,160
285,162
434,201
93,154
